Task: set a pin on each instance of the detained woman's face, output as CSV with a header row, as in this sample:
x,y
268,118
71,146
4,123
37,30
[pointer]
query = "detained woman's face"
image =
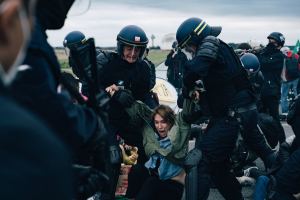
x,y
131,53
161,125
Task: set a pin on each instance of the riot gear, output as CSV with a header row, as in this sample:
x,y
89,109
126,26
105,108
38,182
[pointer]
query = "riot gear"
x,y
132,35
278,37
74,39
72,42
193,30
250,63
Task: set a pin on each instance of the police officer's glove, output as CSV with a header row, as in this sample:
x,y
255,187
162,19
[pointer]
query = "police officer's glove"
x,y
89,181
209,47
124,97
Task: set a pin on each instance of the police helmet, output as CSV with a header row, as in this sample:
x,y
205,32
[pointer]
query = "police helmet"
x,y
278,37
193,30
74,39
250,63
244,46
132,35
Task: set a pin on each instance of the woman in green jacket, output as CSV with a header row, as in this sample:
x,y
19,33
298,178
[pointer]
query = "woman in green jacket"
x,y
165,139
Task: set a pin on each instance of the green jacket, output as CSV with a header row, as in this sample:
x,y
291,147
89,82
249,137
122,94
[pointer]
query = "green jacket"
x,y
179,134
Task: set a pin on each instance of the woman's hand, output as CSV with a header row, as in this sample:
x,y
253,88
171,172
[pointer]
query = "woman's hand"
x,y
112,89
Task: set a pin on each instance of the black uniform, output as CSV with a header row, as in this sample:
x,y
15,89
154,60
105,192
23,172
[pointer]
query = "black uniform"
x,y
271,61
152,72
257,82
136,78
34,163
36,89
228,96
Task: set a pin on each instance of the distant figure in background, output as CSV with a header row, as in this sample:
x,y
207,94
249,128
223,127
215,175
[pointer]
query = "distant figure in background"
x,y
243,48
290,76
271,60
175,62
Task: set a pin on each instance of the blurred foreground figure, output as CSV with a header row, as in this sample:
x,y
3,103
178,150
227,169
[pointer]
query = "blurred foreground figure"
x,y
35,88
34,163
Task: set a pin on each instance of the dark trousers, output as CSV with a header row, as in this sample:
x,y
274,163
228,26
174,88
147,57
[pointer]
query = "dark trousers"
x,y
136,178
217,144
156,189
270,105
253,138
288,178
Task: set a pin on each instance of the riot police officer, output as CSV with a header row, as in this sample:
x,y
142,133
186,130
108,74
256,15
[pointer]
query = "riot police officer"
x,y
73,40
271,60
227,98
127,69
251,64
175,61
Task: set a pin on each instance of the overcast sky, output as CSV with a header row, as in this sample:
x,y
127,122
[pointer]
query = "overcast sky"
x,y
241,20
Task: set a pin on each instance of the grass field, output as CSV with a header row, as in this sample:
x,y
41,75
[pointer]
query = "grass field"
x,y
156,56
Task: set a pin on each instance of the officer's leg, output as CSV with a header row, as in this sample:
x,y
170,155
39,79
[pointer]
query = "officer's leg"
x,y
216,145
273,103
225,181
204,180
254,139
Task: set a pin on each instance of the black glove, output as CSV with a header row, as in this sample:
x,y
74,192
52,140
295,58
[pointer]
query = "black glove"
x,y
209,47
89,181
124,97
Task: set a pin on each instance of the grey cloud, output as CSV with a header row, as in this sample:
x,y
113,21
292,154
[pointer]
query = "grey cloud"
x,y
284,8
